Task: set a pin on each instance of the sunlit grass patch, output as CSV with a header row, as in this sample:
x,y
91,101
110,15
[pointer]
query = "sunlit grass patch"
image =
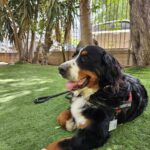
x,y
26,126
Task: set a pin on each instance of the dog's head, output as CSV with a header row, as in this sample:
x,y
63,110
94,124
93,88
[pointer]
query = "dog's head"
x,y
91,68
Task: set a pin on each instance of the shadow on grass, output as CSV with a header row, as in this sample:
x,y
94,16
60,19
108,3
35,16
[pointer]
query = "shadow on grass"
x,y
21,87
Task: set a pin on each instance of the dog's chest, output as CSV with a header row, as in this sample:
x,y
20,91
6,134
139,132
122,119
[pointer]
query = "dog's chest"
x,y
77,107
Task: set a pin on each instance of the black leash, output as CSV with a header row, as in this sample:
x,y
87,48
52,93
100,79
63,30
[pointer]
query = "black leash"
x,y
43,99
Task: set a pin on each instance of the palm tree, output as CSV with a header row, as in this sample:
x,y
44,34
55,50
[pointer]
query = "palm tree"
x,y
59,17
16,18
26,14
8,21
26,18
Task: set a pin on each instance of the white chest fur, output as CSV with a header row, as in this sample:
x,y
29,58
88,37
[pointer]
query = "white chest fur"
x,y
77,108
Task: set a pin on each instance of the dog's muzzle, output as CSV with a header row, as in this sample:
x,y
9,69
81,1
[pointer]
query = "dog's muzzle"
x,y
63,70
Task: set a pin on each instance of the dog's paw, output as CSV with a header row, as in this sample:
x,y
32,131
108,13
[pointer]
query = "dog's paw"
x,y
70,125
63,118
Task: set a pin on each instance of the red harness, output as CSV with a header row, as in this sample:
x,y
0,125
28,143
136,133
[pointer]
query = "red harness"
x,y
127,104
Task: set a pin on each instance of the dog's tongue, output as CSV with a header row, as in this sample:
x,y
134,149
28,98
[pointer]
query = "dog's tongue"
x,y
71,85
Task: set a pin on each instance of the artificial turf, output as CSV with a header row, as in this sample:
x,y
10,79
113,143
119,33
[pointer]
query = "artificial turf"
x,y
26,126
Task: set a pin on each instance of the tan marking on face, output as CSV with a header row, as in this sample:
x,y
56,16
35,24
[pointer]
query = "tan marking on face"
x,y
85,125
93,81
84,53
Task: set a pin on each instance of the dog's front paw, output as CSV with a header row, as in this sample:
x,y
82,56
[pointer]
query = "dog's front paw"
x,y
70,125
53,146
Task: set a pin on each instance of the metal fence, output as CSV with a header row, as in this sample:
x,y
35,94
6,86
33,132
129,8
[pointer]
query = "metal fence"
x,y
110,23
110,27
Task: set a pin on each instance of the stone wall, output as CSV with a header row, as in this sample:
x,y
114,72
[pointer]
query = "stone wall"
x,y
55,58
10,58
122,55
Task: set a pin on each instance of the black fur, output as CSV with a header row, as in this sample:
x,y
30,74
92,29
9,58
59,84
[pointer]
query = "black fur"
x,y
114,90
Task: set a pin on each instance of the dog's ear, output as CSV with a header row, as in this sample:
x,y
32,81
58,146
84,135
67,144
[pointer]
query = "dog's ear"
x,y
111,70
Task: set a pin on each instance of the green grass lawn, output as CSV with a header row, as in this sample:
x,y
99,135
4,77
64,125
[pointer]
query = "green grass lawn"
x,y
26,126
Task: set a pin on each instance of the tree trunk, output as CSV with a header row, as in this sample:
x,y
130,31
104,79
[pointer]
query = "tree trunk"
x,y
35,58
43,49
63,53
57,31
140,31
21,45
16,39
48,40
26,47
85,24
30,56
67,34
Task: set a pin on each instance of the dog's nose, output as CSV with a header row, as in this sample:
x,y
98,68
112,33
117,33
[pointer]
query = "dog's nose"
x,y
63,69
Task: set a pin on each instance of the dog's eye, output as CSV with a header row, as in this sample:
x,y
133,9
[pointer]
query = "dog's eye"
x,y
83,59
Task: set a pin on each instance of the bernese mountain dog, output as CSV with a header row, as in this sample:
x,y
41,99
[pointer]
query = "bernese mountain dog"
x,y
103,97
